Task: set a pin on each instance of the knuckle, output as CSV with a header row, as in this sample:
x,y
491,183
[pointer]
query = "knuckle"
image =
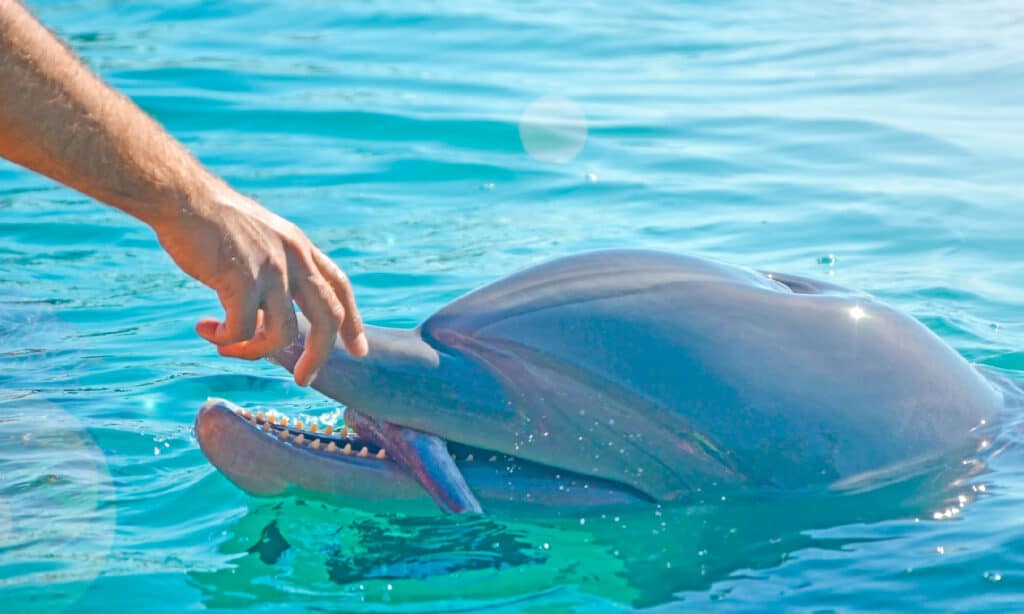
x,y
341,276
322,287
277,265
291,231
354,319
274,272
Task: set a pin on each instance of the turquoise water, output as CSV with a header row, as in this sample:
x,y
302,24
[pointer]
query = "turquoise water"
x,y
878,146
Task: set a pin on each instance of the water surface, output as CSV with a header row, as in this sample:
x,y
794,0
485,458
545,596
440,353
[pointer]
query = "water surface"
x,y
879,146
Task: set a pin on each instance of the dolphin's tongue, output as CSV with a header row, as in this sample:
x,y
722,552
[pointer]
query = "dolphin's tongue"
x,y
424,455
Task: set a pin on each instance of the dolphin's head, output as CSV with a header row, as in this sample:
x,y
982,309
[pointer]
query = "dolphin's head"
x,y
663,375
404,401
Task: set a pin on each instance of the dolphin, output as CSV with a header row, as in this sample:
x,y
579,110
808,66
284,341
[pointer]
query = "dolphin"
x,y
616,377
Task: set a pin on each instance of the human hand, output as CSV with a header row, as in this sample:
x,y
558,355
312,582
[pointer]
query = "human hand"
x,y
258,262
59,119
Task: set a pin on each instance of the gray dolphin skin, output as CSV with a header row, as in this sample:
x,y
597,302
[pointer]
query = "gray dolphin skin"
x,y
618,377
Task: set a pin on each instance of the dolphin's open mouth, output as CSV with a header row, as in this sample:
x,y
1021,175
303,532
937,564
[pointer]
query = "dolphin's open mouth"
x,y
424,456
270,454
324,440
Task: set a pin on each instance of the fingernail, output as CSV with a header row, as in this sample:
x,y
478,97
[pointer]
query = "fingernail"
x,y
312,377
362,346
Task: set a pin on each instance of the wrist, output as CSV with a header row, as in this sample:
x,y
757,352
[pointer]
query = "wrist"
x,y
195,200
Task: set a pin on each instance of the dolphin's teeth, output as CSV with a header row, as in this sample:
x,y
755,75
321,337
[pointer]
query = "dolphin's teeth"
x,y
298,425
283,421
344,431
283,435
313,428
493,459
260,417
364,452
247,414
315,444
331,447
347,449
299,439
237,410
329,429
382,454
266,426
469,458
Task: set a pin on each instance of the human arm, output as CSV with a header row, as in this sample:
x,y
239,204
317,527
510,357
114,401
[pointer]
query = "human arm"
x,y
59,119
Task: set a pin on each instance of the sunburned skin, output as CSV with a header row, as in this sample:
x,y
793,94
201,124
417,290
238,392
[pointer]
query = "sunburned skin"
x,y
658,375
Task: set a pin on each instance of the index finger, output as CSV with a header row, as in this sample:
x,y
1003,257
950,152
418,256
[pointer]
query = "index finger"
x,y
317,301
353,333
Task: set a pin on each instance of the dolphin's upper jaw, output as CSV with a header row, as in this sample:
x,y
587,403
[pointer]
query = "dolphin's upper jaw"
x,y
268,455
326,441
335,444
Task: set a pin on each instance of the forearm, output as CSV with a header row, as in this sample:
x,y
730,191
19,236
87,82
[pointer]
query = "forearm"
x,y
57,118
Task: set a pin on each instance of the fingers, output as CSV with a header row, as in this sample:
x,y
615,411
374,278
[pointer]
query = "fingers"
x,y
352,331
277,328
261,319
207,328
323,310
239,322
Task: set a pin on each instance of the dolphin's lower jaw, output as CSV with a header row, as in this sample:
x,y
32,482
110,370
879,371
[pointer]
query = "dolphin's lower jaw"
x,y
274,457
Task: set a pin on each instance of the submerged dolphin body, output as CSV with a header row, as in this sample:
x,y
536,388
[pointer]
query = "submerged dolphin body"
x,y
617,377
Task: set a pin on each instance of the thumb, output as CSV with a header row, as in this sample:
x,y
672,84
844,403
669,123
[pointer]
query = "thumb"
x,y
207,328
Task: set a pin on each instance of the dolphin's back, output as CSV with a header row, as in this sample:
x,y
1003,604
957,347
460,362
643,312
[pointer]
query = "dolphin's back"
x,y
671,373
